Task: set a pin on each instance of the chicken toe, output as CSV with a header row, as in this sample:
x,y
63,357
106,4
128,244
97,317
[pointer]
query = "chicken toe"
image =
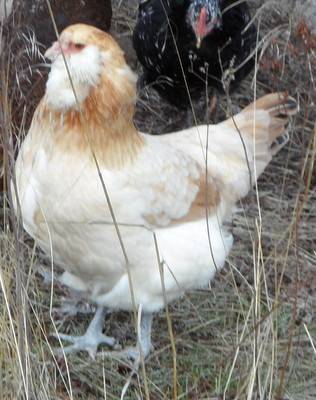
x,y
91,340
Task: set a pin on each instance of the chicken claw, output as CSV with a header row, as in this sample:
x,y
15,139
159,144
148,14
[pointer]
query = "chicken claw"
x,y
90,341
139,352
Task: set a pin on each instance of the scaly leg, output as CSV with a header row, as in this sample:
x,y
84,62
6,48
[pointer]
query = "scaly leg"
x,y
90,340
144,343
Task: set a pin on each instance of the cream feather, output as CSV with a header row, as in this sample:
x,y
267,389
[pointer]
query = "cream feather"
x,y
156,184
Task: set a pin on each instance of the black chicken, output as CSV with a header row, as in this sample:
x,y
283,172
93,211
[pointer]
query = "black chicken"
x,y
209,37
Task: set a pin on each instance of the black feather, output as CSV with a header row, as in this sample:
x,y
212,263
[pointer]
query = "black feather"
x,y
163,36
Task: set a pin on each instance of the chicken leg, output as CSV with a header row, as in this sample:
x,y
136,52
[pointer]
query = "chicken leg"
x,y
90,340
143,347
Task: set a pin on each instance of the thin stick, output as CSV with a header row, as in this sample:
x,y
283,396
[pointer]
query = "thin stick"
x,y
169,322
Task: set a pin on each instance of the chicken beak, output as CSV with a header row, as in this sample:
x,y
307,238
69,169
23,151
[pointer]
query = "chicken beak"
x,y
53,52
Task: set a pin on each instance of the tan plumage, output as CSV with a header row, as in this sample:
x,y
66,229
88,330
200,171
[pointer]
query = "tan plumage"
x,y
154,183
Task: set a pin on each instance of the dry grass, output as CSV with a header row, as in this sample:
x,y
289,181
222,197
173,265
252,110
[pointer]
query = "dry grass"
x,y
252,334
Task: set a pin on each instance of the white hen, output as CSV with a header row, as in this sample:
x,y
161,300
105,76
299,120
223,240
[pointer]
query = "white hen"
x,y
155,183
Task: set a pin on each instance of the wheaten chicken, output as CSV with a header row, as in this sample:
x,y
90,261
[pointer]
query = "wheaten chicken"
x,y
156,185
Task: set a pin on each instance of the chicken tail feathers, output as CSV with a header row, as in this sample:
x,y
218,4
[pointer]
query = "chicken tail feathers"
x,y
250,139
278,104
279,108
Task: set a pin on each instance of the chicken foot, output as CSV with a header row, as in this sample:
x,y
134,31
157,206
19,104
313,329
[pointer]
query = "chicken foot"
x,y
92,338
143,347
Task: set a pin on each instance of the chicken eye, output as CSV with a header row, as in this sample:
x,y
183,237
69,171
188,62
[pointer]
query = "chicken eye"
x,y
79,46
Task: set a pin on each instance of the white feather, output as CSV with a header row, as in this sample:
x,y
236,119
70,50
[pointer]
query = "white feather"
x,y
77,224
84,69
65,209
